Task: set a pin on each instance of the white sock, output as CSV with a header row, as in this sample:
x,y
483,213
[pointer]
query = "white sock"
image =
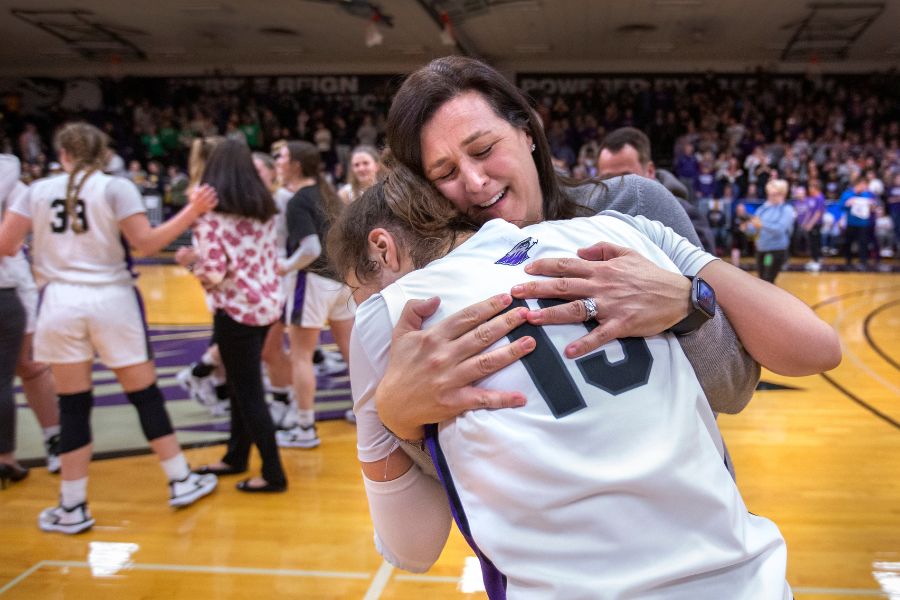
x,y
73,492
306,417
176,468
49,432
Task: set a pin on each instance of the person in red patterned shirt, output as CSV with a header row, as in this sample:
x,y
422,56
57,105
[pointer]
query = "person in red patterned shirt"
x,y
234,256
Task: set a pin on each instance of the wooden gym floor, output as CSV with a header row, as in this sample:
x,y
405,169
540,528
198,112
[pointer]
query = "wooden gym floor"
x,y
818,455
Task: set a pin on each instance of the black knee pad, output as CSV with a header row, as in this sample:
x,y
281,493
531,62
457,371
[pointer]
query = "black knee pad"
x,y
75,420
152,411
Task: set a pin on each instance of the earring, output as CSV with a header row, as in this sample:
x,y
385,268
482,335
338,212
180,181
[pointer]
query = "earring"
x,y
533,146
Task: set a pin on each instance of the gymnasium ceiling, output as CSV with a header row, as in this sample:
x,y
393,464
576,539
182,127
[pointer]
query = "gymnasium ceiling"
x,y
116,37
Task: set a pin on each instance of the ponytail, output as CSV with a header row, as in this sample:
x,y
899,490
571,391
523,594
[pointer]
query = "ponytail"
x,y
85,146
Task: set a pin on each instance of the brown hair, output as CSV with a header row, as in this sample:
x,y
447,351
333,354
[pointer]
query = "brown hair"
x,y
85,146
422,222
442,80
310,162
628,136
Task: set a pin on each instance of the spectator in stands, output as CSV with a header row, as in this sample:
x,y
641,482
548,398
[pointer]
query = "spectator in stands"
x,y
742,238
627,150
30,145
893,204
324,142
365,164
705,183
367,133
858,204
233,131
343,141
884,233
687,167
757,167
831,233
774,222
152,142
115,165
730,176
810,207
136,173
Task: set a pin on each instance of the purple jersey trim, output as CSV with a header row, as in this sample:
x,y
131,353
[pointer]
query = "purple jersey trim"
x,y
147,345
494,580
129,260
299,295
37,309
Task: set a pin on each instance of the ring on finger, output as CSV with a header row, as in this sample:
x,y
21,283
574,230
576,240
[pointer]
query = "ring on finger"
x,y
590,309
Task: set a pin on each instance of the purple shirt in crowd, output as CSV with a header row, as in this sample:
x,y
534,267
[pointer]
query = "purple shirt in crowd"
x,y
810,211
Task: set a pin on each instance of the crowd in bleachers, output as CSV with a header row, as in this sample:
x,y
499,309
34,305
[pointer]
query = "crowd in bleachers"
x,y
724,137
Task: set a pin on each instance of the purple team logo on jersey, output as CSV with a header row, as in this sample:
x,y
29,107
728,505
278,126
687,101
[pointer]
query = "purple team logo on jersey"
x,y
518,254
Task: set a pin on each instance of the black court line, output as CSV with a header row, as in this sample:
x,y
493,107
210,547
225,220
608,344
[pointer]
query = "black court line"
x,y
869,339
884,417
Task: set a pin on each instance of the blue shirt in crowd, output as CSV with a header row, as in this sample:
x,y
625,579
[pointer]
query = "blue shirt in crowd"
x,y
777,222
859,207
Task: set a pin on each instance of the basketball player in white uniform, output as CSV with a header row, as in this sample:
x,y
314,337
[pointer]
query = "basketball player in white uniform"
x,y
609,483
90,305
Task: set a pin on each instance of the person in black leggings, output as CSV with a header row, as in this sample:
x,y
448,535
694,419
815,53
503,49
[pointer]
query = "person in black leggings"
x,y
12,331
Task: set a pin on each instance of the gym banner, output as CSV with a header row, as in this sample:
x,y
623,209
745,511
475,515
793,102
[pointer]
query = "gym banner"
x,y
38,96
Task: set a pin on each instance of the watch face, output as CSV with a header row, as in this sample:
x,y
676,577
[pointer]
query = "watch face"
x,y
706,297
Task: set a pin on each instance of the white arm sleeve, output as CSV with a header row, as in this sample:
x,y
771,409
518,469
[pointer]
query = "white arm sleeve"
x,y
687,257
412,519
370,342
411,514
309,250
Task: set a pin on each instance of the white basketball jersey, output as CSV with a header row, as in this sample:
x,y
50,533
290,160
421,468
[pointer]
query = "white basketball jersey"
x,y
99,255
610,482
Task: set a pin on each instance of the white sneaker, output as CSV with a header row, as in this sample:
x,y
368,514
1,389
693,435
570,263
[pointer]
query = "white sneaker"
x,y
301,436
814,266
222,408
190,489
284,416
349,416
66,520
201,389
52,446
332,364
